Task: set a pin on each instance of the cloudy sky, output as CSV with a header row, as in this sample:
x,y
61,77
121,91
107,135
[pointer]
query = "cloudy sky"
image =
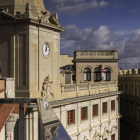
x,y
100,24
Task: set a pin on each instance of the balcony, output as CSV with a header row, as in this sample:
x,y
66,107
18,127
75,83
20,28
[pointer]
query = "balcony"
x,y
83,89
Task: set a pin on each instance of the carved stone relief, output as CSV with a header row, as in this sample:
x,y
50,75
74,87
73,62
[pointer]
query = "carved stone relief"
x,y
48,89
10,124
96,136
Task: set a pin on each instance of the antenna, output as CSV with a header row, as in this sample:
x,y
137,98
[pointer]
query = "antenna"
x,y
79,47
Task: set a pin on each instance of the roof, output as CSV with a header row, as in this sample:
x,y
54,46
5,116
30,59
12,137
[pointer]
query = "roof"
x,y
6,109
1,90
67,69
1,78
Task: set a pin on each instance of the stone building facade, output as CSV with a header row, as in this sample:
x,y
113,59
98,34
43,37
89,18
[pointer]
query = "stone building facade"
x,y
129,83
91,109
87,105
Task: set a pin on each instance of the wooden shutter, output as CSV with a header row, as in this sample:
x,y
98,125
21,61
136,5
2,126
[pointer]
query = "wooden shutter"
x,y
105,107
112,105
113,137
70,117
95,110
83,113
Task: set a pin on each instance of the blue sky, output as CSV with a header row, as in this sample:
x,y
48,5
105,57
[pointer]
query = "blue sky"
x,y
99,24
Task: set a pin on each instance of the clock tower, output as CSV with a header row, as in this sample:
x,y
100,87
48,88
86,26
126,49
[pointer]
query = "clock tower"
x,y
30,47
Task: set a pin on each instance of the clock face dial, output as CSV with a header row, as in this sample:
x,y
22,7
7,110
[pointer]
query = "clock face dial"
x,y
46,49
45,104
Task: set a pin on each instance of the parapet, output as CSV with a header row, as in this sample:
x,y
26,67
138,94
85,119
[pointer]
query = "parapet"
x,y
95,54
129,72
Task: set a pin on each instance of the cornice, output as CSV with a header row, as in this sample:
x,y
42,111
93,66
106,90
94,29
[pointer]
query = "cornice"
x,y
83,98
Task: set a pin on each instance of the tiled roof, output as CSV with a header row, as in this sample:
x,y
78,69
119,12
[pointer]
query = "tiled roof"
x,y
1,78
1,90
6,109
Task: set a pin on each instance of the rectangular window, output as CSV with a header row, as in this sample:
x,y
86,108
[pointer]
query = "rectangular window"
x,y
113,137
113,105
95,110
105,107
70,117
73,77
84,113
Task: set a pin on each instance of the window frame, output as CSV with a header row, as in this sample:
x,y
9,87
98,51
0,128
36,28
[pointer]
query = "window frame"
x,y
71,117
104,111
107,72
84,116
87,74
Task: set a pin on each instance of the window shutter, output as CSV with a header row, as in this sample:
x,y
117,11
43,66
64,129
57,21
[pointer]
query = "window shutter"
x,y
112,105
95,110
105,107
70,117
113,137
83,113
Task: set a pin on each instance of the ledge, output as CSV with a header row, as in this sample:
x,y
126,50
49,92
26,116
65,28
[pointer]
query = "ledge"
x,y
83,98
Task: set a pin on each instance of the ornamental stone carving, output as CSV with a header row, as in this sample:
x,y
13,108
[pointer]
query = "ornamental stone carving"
x,y
51,130
47,89
96,136
113,128
85,138
105,133
10,124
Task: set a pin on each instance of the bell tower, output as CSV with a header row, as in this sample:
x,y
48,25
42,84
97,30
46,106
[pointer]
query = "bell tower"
x,y
29,46
18,6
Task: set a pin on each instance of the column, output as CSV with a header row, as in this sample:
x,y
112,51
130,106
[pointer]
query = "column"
x,y
35,124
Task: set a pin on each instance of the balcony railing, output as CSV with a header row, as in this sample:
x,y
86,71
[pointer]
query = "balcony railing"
x,y
82,89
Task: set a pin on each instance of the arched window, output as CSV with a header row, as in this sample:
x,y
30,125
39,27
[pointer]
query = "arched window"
x,y
96,74
106,74
87,74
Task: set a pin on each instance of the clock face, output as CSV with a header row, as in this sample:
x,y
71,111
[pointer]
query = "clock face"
x,y
46,49
45,105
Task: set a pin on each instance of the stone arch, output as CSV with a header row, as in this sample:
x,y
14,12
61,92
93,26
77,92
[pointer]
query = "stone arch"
x,y
87,66
107,66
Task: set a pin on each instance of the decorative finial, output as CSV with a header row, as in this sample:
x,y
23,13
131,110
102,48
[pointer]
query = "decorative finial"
x,y
27,7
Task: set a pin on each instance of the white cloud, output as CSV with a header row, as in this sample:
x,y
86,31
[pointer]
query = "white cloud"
x,y
77,6
101,38
124,32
